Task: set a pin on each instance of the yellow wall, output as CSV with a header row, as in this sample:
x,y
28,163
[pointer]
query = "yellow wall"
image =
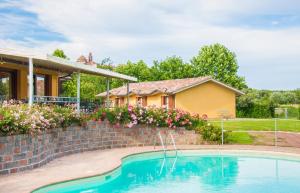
x,y
22,84
54,84
154,100
151,100
208,98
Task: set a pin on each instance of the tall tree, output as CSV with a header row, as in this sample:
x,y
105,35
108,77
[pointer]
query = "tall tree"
x,y
171,68
89,85
140,70
219,62
59,53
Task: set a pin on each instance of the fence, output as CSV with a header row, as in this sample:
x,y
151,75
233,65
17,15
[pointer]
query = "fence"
x,y
271,132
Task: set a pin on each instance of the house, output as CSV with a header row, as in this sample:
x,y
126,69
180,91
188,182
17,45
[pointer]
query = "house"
x,y
35,78
202,95
87,61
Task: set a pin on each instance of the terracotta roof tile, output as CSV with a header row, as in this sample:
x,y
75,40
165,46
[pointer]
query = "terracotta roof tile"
x,y
153,87
82,59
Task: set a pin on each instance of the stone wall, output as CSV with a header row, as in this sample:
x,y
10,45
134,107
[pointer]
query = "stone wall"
x,y
24,152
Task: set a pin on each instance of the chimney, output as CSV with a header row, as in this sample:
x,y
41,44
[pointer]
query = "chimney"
x,y
90,59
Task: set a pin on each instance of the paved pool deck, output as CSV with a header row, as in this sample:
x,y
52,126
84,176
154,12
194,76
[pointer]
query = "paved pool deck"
x,y
100,161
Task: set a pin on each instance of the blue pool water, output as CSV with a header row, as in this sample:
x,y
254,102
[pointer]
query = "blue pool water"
x,y
189,173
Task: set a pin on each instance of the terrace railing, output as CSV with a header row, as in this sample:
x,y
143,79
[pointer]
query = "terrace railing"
x,y
3,98
54,99
85,105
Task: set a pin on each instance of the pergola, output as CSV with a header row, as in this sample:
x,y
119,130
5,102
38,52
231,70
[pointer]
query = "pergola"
x,y
61,65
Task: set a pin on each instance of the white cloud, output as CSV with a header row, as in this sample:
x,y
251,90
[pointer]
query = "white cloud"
x,y
132,29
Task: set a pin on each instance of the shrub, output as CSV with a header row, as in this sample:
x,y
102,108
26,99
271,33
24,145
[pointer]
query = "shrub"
x,y
18,118
158,117
256,104
212,133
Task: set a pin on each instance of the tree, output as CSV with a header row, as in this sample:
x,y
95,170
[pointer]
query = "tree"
x,y
90,86
284,97
59,53
219,62
171,68
140,70
256,104
297,91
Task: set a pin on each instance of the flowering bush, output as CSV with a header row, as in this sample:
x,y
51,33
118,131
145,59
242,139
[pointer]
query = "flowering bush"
x,y
158,117
18,118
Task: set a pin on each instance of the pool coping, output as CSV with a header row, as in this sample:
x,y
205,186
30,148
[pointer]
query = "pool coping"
x,y
14,179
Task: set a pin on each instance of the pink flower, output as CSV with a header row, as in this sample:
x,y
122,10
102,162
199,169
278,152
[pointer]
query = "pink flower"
x,y
204,117
130,108
129,125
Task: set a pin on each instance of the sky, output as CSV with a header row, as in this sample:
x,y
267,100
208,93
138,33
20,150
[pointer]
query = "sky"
x,y
264,34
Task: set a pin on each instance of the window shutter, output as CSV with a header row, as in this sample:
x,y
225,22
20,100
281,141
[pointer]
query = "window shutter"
x,y
172,101
121,101
144,101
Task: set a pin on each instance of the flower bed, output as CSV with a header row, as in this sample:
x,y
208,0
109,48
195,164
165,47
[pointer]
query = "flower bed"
x,y
18,118
151,116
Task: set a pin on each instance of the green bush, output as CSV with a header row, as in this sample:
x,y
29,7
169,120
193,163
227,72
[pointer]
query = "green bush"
x,y
256,104
212,133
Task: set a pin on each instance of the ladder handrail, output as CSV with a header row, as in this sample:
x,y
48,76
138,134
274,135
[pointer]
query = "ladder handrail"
x,y
162,142
173,141
164,146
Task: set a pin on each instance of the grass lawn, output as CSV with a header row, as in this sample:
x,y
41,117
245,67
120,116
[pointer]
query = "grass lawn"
x,y
259,124
240,138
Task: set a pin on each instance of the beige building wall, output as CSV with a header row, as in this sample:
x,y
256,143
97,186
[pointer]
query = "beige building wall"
x,y
154,100
209,98
22,83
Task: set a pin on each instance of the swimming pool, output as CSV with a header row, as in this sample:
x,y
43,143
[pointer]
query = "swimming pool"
x,y
191,171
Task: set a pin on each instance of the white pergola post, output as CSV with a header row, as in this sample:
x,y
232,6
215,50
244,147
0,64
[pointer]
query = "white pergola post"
x,y
127,93
107,93
78,92
30,82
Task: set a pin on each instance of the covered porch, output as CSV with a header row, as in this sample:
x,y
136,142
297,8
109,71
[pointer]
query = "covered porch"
x,y
37,79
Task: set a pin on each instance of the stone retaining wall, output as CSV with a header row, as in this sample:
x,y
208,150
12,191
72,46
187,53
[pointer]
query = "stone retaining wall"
x,y
24,152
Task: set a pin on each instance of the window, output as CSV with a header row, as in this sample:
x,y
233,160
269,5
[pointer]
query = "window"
x,y
41,85
122,101
117,102
139,101
165,101
5,85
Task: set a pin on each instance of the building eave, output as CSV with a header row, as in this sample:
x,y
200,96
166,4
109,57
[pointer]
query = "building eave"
x,y
61,65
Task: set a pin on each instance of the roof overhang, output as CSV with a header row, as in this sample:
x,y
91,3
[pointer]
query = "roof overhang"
x,y
61,65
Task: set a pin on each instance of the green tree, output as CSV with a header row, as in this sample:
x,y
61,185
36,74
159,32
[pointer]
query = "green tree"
x,y
140,70
297,91
171,68
256,104
59,53
90,86
219,62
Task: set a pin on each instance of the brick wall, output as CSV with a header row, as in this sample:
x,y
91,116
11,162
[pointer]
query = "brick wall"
x,y
24,152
